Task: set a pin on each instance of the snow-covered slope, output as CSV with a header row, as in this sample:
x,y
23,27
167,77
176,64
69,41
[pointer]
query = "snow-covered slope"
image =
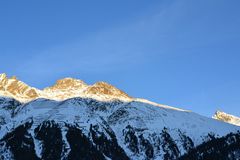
x,y
73,120
222,116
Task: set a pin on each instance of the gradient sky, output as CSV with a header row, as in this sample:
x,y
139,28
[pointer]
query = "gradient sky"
x,y
181,53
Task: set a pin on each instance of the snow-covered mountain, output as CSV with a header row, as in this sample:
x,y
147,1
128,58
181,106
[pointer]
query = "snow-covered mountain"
x,y
222,116
63,89
73,120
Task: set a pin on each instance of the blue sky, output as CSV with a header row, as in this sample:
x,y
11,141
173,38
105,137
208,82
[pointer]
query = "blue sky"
x,y
180,53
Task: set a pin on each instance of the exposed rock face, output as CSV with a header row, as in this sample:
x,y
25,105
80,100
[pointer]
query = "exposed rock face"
x,y
227,118
103,88
63,89
12,87
67,84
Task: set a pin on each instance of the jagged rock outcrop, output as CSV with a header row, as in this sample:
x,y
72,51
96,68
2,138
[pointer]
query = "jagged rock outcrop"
x,y
68,84
222,116
14,88
63,89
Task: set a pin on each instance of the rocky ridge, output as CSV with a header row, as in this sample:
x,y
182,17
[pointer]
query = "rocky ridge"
x,y
72,120
63,89
222,116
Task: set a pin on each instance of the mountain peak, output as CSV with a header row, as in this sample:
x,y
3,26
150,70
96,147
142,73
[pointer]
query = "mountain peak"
x,y
3,76
63,89
103,88
225,117
3,79
12,87
67,83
